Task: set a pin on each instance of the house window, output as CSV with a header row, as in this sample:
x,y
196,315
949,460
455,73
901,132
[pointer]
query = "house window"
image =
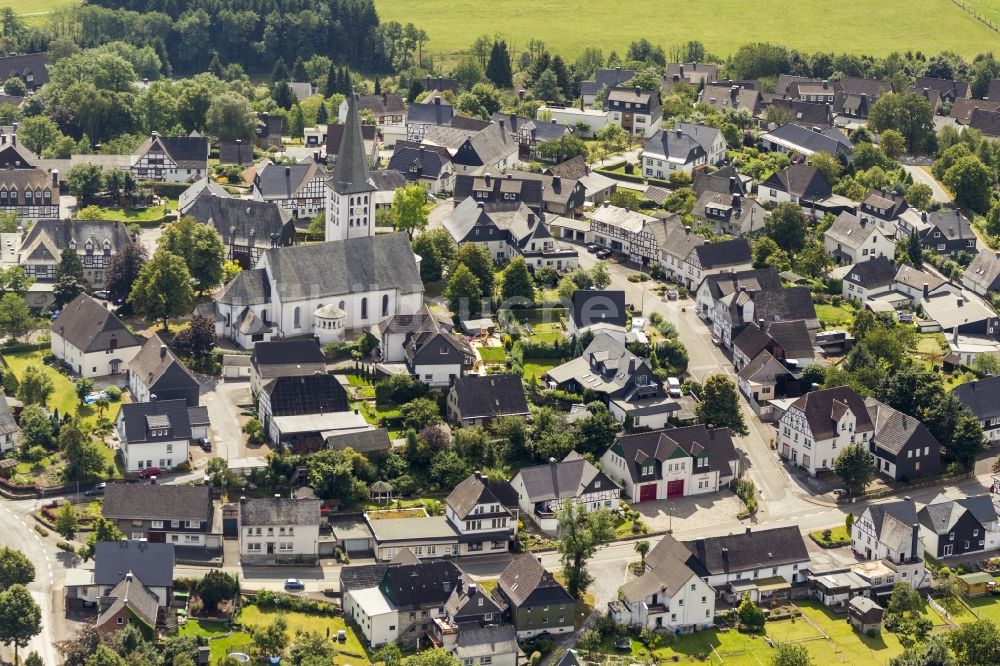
x,y
364,308
157,524
295,317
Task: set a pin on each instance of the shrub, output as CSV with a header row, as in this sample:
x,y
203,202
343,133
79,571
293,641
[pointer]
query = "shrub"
x,y
67,546
113,394
41,530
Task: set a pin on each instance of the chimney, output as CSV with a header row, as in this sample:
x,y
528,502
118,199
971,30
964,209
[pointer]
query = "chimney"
x,y
552,461
478,474
680,70
737,202
502,124
826,84
13,139
288,172
521,93
437,99
460,586
760,324
680,132
732,184
914,537
814,387
748,530
163,351
531,218
863,222
472,589
637,91
489,180
927,290
556,182
55,178
923,216
676,78
725,553
687,230
960,301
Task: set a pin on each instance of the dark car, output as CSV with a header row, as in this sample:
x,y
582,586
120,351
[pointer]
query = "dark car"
x,y
603,254
96,490
593,248
204,443
294,584
149,472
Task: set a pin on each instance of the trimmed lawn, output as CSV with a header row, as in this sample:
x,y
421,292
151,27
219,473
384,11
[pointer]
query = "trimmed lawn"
x,y
367,389
987,607
839,536
834,316
147,214
493,354
219,643
845,644
351,652
552,332
534,368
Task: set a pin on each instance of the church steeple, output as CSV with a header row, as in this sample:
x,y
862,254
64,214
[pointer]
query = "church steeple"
x,y
350,206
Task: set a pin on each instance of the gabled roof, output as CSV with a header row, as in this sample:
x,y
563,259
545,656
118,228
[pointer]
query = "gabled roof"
x,y
278,358
574,168
286,181
437,111
893,522
987,122
156,362
568,479
727,95
152,562
942,514
187,152
364,441
525,582
668,570
896,431
538,130
335,137
485,147
60,235
476,640
733,252
350,173
21,65
306,394
525,190
334,268
200,189
800,180
984,271
144,420
792,336
606,78
916,278
433,341
279,511
697,441
763,368
235,219
130,593
382,104
784,304
427,583
980,397
722,284
473,490
675,146
236,152
593,306
490,395
807,141
748,550
7,423
428,161
807,114
90,327
944,86
723,181
851,231
962,108
872,274
821,408
752,340
157,502
853,85
248,288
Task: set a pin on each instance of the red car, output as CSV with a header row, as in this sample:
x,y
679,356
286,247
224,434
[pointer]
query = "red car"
x,y
148,472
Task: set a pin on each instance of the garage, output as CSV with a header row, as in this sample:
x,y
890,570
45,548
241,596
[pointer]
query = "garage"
x,y
675,488
647,493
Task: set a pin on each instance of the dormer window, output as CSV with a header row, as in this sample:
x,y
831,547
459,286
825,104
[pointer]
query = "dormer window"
x,y
72,245
647,470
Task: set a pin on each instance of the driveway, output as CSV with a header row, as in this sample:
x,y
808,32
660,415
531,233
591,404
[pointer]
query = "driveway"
x,y
222,399
691,513
921,176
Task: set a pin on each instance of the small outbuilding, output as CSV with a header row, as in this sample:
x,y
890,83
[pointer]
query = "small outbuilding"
x,y
865,615
976,584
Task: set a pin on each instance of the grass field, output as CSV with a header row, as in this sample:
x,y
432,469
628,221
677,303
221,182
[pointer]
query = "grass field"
x,y
988,9
835,316
33,12
492,354
219,643
568,26
536,367
350,653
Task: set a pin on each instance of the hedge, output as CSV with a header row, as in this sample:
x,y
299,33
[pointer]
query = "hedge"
x,y
660,183
24,347
621,176
559,349
614,165
169,190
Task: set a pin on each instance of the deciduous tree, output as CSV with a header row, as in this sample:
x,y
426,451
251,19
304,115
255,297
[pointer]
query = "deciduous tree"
x,y
409,209
201,248
854,467
35,386
581,532
720,406
20,617
517,282
15,317
163,287
15,568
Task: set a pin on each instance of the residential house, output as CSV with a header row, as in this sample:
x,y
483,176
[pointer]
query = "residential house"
x,y
179,515
247,227
268,131
635,110
950,527
817,91
31,193
586,121
730,214
817,426
386,182
694,73
154,435
389,109
500,192
983,274
535,600
920,285
713,258
725,180
790,342
803,184
903,448
478,399
856,97
427,165
675,251
592,308
333,136
766,564
529,132
129,602
949,233
488,150
884,209
94,241
669,594
303,410
90,339
560,196
543,490
435,354
962,109
236,152
806,114
709,138
31,68
156,373
678,462
10,432
987,122
731,96
367,279
475,641
278,530
947,89
171,159
963,313
627,232
604,81
932,96
888,531
298,188
867,278
764,379
153,563
436,111
199,191
671,151
794,138
852,239
481,519
865,615
980,398
713,288
737,309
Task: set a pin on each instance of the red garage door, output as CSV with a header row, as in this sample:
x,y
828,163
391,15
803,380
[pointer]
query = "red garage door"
x,y
647,492
675,488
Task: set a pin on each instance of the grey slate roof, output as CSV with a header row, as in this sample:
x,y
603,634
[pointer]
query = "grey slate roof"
x,y
830,140
279,511
792,336
187,152
872,274
606,78
697,441
674,145
525,582
962,108
62,233
980,397
89,326
156,361
387,180
275,358
383,104
748,550
364,441
800,180
234,219
951,223
942,514
429,161
472,490
984,271
475,640
785,304
819,408
724,253
7,423
157,502
355,265
200,189
566,479
236,152
142,418
807,114
285,181
669,566
987,122
132,594
21,65
490,395
593,306
350,173
705,135
248,288
896,431
894,521
722,284
152,562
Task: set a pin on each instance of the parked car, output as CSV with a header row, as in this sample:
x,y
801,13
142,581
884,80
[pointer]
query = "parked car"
x,y
674,387
205,443
603,254
593,248
716,340
96,490
294,584
149,472
672,295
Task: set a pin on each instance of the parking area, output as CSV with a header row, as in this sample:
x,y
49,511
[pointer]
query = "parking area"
x,y
687,515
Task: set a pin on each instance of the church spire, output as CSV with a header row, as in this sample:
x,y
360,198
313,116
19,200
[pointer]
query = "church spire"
x,y
350,173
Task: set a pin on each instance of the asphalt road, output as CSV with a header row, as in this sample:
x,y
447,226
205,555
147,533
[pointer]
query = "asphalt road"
x,y
921,176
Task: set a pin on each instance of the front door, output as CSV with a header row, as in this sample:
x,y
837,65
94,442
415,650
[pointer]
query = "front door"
x,y
675,488
156,537
948,550
647,492
270,548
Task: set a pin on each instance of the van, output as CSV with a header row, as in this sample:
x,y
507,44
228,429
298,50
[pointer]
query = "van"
x,y
674,386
